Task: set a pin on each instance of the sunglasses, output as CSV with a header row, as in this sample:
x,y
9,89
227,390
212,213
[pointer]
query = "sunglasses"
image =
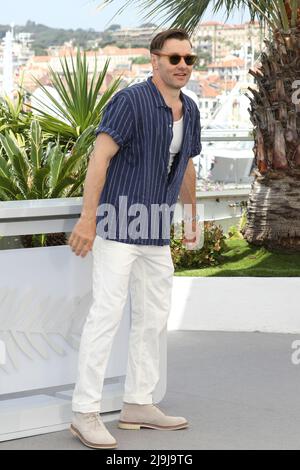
x,y
174,59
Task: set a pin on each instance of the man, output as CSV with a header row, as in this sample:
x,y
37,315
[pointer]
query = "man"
x,y
143,150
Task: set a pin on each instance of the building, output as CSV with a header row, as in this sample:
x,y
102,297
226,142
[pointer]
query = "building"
x,y
15,51
120,57
120,63
135,36
230,68
221,39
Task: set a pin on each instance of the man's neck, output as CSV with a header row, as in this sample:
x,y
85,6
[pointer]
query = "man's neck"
x,y
171,95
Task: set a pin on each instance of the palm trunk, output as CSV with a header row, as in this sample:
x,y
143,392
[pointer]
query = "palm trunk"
x,y
273,211
274,204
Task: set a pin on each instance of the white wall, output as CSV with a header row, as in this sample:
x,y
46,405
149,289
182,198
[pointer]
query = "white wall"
x,y
236,304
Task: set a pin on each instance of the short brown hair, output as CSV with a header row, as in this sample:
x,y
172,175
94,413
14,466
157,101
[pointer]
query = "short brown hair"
x,y
158,41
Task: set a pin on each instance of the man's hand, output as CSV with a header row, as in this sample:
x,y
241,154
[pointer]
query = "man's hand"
x,y
192,232
192,236
83,235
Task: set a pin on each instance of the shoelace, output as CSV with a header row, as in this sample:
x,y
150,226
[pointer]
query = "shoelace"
x,y
94,417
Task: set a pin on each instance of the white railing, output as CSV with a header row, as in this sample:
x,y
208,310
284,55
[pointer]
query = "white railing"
x,y
232,168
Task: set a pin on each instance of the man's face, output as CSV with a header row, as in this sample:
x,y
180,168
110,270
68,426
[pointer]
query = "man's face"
x,y
174,76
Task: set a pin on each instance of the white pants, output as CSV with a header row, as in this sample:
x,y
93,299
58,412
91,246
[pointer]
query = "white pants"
x,y
150,272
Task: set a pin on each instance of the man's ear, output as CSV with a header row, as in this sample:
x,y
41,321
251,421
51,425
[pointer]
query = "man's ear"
x,y
154,61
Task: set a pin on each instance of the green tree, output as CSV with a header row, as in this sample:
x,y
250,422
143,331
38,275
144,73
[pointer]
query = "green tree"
x,y
113,27
141,60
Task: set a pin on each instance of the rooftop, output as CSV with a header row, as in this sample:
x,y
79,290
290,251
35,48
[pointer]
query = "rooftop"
x,y
227,62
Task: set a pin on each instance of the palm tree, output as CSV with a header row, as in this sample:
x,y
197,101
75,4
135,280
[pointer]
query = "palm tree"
x,y
273,212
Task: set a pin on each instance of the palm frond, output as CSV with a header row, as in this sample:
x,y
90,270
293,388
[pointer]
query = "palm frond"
x,y
36,144
56,158
30,170
4,167
39,184
187,14
63,183
7,186
178,13
79,103
18,160
80,147
74,189
12,113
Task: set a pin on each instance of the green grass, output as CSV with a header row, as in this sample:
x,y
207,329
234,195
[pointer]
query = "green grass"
x,y
240,259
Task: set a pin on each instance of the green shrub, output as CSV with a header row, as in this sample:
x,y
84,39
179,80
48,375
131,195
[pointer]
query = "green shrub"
x,y
236,231
209,255
34,172
13,114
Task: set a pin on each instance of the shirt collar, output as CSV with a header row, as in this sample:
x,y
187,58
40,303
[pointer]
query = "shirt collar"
x,y
159,99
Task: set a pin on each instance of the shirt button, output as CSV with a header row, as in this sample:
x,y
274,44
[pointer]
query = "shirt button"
x,y
170,125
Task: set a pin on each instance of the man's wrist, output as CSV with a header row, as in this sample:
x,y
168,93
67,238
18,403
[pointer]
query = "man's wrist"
x,y
195,218
88,217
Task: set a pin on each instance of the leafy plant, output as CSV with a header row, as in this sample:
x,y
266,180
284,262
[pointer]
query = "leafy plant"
x,y
36,172
80,105
234,233
209,255
13,114
29,170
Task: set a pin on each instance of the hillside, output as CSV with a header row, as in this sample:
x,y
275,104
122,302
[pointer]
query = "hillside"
x,y
45,36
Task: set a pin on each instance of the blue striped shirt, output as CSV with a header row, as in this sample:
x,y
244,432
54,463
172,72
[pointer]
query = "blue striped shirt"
x,y
141,123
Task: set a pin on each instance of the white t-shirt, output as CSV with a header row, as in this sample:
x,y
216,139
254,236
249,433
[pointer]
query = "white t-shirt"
x,y
176,141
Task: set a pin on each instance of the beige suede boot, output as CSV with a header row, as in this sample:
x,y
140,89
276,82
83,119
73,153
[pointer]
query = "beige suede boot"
x,y
90,429
134,416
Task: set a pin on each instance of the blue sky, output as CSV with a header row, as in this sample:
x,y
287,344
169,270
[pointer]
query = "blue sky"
x,y
77,14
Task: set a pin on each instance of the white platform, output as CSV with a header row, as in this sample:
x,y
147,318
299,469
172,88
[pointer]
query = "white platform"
x,y
41,414
267,304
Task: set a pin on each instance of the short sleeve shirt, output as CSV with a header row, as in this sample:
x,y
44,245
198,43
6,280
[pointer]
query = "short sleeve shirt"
x,y
138,199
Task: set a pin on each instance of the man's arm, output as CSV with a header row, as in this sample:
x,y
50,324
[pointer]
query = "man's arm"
x,y
188,198
188,187
83,235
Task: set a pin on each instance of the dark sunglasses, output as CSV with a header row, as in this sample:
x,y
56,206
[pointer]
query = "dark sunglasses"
x,y
174,59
